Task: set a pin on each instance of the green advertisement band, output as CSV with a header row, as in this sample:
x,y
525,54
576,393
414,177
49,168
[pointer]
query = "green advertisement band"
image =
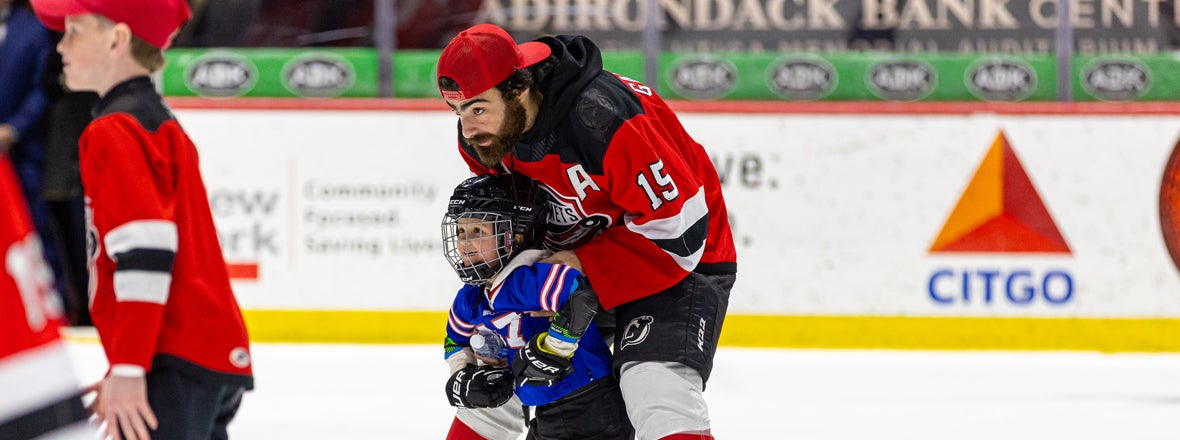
x,y
225,73
852,76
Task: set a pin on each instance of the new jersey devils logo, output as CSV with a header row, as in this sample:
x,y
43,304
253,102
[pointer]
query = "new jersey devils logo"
x,y
568,225
239,357
636,331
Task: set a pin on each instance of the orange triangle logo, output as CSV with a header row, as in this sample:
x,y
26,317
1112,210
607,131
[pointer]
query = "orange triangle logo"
x,y
1000,211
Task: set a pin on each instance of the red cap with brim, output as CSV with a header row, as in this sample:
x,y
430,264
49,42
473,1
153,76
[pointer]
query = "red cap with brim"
x,y
154,21
482,56
53,13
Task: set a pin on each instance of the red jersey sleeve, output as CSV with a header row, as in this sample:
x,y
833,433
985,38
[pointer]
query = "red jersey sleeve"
x,y
29,310
663,231
132,193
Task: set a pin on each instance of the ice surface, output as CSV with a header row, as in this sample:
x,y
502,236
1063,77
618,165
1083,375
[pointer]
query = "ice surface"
x,y
314,391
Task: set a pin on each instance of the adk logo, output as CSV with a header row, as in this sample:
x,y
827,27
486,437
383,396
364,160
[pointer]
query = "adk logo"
x,y
901,80
1000,212
318,75
1001,80
221,75
636,331
802,79
703,78
1116,80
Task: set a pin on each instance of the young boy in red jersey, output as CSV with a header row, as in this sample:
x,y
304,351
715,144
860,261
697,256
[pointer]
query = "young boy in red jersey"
x,y
160,295
40,392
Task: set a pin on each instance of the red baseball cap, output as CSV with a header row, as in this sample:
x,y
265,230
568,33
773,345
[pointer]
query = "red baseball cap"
x,y
153,21
483,56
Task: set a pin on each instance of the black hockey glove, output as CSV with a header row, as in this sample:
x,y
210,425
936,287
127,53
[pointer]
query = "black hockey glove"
x,y
575,314
479,387
547,357
537,365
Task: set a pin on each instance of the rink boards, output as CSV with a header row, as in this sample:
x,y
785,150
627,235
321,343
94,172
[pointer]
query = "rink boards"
x,y
932,226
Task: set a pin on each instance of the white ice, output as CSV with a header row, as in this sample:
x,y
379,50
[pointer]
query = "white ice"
x,y
315,391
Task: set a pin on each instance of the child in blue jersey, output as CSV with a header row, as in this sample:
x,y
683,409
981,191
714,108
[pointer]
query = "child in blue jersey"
x,y
492,225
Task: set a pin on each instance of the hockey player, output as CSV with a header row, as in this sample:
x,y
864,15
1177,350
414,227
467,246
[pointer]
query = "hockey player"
x,y
636,205
160,292
491,224
41,396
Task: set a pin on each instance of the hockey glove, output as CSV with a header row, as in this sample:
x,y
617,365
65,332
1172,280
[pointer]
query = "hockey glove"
x,y
537,364
479,387
574,315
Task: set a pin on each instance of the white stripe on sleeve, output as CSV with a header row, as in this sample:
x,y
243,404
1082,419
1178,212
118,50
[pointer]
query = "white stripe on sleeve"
x,y
675,227
142,286
141,234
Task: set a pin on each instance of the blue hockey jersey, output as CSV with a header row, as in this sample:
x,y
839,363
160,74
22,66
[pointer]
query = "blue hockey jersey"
x,y
526,285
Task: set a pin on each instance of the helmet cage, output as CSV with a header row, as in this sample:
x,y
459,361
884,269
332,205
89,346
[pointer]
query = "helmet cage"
x,y
505,205
456,233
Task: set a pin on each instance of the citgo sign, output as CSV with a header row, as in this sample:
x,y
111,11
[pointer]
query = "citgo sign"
x,y
1000,212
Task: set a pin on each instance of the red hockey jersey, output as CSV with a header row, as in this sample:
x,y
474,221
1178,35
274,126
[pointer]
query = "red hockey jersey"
x,y
31,311
631,193
159,288
40,393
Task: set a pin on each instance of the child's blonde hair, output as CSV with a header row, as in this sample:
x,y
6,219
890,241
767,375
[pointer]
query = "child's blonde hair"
x,y
147,56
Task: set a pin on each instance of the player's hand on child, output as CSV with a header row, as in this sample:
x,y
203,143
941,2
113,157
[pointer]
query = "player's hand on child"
x,y
537,363
567,258
479,387
121,402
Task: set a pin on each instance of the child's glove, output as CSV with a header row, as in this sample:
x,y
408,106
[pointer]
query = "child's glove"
x,y
479,387
537,363
547,357
575,314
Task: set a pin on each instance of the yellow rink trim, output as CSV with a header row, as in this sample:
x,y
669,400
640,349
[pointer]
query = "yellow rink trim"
x,y
883,332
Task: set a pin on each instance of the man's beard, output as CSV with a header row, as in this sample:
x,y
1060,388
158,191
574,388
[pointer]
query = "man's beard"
x,y
503,141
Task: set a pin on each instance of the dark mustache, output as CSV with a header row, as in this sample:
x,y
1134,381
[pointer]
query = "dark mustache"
x,y
477,139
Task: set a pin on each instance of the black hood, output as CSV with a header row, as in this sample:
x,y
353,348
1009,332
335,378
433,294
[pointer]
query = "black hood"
x,y
579,61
